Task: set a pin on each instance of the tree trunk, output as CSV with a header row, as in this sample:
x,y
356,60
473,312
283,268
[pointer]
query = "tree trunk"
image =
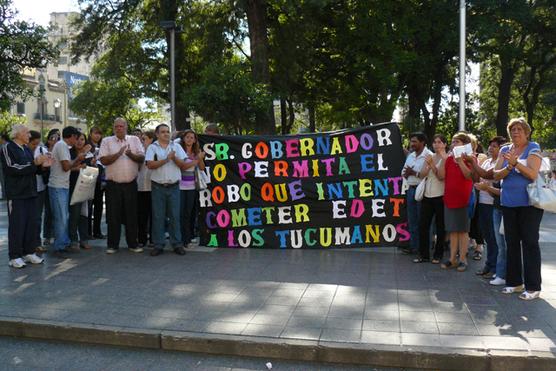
x,y
256,20
413,119
169,11
504,91
283,115
312,119
291,115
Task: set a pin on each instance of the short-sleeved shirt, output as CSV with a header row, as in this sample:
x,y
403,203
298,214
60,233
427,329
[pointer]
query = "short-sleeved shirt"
x,y
39,151
58,177
416,163
434,186
187,182
168,173
457,189
514,186
485,197
124,169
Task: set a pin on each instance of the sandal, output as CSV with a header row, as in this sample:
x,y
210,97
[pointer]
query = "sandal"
x,y
447,265
477,255
462,267
530,295
420,260
512,289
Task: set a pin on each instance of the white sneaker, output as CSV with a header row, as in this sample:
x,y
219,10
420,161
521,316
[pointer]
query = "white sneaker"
x,y
17,263
498,281
136,249
33,259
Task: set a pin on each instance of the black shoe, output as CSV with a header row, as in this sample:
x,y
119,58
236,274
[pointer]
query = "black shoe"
x,y
60,254
156,252
179,250
99,236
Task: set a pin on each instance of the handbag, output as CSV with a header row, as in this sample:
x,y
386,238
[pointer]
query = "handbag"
x,y
201,179
420,190
541,195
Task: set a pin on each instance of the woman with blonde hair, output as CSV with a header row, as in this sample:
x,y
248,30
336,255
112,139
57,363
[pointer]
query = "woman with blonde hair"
x,y
517,167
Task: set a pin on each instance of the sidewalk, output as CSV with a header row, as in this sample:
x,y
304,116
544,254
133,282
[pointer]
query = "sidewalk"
x,y
355,306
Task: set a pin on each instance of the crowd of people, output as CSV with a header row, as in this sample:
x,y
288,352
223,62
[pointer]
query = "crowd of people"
x,y
456,198
475,199
134,172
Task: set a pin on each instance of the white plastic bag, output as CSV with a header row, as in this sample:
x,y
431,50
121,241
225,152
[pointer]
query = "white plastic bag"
x,y
85,186
541,195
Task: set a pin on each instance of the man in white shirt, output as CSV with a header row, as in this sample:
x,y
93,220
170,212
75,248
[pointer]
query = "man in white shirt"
x,y
166,160
413,165
58,188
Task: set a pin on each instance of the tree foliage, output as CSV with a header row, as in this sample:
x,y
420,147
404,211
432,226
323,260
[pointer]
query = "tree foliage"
x,y
22,45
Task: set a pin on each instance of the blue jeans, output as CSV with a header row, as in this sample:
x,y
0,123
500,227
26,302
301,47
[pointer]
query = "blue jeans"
x,y
59,204
413,212
165,204
487,230
500,242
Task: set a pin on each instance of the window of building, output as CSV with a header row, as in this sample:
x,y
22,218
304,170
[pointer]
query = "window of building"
x,y
63,60
20,108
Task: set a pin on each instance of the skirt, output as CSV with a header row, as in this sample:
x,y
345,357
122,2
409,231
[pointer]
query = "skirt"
x,y
456,220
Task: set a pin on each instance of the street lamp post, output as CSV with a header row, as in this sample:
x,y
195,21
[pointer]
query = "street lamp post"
x,y
42,102
461,125
171,26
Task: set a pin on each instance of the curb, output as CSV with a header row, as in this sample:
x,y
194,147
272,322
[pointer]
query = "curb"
x,y
286,349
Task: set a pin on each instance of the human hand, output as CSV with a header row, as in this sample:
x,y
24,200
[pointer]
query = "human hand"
x,y
409,171
481,186
128,151
511,157
122,150
429,160
87,148
171,155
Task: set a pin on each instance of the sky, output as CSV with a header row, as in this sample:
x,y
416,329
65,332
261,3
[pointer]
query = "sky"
x,y
39,11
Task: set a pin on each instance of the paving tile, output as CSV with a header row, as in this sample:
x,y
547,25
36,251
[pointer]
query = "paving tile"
x,y
283,300
218,327
380,337
253,329
343,323
376,325
301,333
269,319
453,317
457,329
307,321
419,327
337,335
423,316
382,315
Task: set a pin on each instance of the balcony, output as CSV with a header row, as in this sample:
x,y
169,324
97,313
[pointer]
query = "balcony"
x,y
47,117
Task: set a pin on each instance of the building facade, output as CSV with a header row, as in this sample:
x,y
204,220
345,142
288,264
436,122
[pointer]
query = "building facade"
x,y
53,87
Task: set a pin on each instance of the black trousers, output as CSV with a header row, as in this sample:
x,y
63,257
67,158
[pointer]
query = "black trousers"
x,y
22,227
121,208
95,210
474,227
521,231
144,219
431,208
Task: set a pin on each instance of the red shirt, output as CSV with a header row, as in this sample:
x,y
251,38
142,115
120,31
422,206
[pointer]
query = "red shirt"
x,y
457,189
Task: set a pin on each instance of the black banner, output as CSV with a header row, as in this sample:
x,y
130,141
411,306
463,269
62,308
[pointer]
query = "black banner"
x,y
319,190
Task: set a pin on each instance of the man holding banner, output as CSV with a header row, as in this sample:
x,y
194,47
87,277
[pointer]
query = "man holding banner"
x,y
166,160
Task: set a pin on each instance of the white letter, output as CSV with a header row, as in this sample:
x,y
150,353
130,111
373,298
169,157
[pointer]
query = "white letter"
x,y
378,208
337,211
246,150
204,198
261,169
209,153
233,193
284,215
380,162
383,135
